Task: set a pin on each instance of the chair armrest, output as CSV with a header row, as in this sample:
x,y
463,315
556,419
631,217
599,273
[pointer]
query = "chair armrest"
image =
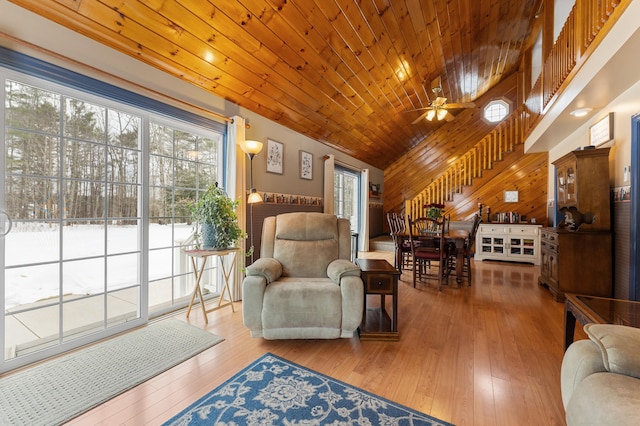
x,y
266,267
342,268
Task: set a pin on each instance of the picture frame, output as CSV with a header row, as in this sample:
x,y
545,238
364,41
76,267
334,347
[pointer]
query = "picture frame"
x,y
306,165
511,196
275,157
601,132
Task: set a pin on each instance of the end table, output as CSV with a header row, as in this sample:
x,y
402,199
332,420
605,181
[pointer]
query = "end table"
x,y
226,273
379,277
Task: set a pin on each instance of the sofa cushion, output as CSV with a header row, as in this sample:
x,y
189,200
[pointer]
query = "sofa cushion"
x,y
620,346
302,302
605,399
305,243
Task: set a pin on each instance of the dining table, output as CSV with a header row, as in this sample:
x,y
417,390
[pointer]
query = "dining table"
x,y
455,237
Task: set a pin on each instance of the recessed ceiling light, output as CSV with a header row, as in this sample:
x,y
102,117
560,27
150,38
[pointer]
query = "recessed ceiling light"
x,y
581,112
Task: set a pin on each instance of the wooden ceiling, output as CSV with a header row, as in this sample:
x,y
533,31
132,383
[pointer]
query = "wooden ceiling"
x,y
342,72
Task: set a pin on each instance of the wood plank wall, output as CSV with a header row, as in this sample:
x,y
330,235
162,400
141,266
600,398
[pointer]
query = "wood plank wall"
x,y
527,173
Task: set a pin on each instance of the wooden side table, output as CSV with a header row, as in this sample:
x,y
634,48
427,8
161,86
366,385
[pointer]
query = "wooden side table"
x,y
226,273
599,310
379,277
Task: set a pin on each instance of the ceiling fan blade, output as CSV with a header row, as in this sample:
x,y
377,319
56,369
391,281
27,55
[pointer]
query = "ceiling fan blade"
x,y
418,109
460,105
449,116
439,101
422,116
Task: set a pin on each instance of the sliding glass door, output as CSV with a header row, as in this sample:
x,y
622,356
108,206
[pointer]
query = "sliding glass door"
x,y
94,202
71,188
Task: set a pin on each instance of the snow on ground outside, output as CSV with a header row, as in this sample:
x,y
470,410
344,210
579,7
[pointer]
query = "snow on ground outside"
x,y
27,244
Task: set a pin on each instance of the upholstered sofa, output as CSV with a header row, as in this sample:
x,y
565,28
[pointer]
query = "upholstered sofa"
x,y
304,285
600,377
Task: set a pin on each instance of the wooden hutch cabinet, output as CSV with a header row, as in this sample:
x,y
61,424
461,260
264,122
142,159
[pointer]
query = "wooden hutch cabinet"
x,y
576,256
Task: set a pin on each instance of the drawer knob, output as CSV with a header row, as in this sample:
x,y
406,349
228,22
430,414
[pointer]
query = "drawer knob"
x,y
379,283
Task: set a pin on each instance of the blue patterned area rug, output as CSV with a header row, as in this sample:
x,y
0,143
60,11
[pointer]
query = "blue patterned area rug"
x,y
274,391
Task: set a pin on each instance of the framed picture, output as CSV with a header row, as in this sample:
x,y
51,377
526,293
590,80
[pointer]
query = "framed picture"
x,y
510,196
306,165
275,157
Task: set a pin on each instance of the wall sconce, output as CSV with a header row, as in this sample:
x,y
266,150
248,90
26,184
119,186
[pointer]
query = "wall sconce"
x,y
251,148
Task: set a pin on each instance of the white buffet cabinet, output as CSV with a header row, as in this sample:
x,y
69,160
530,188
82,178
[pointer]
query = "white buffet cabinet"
x,y
508,241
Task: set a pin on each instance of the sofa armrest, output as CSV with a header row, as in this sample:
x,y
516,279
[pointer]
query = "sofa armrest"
x,y
582,359
342,268
352,290
266,267
620,346
253,288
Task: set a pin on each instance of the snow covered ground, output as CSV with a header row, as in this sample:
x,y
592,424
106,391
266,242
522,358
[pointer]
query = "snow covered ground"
x,y
29,244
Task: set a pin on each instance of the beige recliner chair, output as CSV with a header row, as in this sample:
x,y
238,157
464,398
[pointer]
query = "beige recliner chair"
x,y
304,285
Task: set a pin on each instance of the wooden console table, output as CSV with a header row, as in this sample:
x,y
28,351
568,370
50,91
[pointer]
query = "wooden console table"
x,y
226,273
379,277
599,310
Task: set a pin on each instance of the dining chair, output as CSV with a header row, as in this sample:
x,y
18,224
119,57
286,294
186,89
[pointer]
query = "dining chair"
x,y
469,249
393,231
432,249
397,226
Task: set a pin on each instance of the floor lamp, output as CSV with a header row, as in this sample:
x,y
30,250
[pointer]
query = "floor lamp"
x,y
252,148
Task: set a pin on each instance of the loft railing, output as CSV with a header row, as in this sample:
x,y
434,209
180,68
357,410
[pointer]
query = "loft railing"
x,y
583,27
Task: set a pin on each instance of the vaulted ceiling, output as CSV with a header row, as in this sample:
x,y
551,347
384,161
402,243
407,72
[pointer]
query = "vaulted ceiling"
x,y
347,73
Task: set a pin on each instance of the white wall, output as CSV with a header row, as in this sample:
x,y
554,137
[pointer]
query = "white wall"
x,y
624,107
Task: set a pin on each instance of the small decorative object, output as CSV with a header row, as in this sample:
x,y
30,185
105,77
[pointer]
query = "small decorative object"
x,y
306,165
434,210
275,157
215,220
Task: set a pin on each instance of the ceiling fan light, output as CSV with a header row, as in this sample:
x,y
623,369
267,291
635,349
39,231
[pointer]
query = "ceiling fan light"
x,y
431,114
442,113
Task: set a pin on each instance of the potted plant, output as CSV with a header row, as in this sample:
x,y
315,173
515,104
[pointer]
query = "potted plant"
x,y
215,220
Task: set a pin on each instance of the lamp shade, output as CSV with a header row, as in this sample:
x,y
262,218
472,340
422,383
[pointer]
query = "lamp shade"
x,y
251,147
442,113
254,197
431,114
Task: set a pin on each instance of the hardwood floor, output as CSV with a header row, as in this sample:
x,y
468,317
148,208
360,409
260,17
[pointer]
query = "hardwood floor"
x,y
489,354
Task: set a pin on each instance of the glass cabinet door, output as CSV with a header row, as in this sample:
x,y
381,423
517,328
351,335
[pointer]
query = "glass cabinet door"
x,y
571,195
561,185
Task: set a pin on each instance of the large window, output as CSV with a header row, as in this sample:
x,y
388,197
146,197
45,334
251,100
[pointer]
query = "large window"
x,y
98,193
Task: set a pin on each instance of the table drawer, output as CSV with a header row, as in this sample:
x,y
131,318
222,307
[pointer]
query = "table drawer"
x,y
379,283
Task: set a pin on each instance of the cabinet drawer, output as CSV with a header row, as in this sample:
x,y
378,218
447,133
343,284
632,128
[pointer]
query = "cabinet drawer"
x,y
379,283
523,230
491,229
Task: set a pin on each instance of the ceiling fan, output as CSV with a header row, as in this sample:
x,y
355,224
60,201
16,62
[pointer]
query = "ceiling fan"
x,y
438,108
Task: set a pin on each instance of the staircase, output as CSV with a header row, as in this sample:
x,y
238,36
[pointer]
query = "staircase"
x,y
492,148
